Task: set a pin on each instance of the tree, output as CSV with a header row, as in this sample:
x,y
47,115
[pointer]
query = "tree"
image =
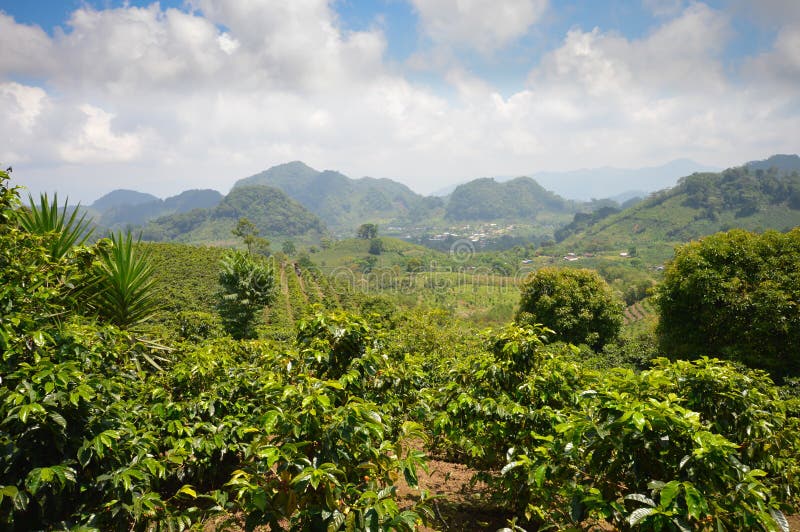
x,y
376,246
577,304
288,247
734,295
248,232
246,286
367,231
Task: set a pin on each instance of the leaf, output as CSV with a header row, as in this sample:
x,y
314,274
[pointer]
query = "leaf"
x,y
695,502
638,420
669,492
779,518
638,515
188,490
539,475
638,497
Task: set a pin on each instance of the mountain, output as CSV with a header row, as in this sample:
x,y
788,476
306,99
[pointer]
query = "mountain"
x,y
608,181
342,202
782,163
521,199
120,197
130,208
749,197
273,212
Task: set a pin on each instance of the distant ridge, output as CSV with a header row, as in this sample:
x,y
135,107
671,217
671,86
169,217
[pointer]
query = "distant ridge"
x,y
782,163
342,202
758,196
521,199
121,208
120,197
608,182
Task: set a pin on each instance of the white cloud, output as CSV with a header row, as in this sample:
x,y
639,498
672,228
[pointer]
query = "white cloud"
x,y
165,100
95,142
486,25
781,65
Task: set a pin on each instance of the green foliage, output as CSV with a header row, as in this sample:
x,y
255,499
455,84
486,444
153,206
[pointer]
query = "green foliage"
x,y
735,295
123,288
367,231
247,285
196,326
342,203
577,304
271,212
288,247
520,199
701,204
248,232
376,246
61,232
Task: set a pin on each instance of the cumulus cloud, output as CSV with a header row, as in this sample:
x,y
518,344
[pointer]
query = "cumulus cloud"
x,y
163,99
485,25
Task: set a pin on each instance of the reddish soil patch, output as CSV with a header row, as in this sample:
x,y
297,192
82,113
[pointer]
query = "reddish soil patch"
x,y
459,505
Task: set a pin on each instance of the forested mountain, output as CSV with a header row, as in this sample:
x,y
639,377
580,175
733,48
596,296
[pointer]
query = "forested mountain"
x,y
747,197
120,214
342,202
272,211
782,163
121,197
521,199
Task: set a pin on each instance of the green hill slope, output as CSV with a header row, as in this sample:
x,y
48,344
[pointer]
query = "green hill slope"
x,y
701,204
344,203
521,199
273,213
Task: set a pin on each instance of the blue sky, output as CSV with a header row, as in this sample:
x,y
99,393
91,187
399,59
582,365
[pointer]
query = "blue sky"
x,y
98,94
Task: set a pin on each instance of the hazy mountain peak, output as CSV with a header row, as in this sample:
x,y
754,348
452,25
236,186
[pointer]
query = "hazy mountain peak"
x,y
120,197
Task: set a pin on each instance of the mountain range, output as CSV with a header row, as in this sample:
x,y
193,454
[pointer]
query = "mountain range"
x,y
295,200
757,196
342,202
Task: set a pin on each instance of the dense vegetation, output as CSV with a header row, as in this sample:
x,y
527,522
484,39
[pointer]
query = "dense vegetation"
x,y
701,204
163,420
341,202
577,305
270,210
520,199
735,295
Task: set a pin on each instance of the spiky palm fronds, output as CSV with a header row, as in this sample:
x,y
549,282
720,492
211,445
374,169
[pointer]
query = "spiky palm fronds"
x,y
124,290
61,231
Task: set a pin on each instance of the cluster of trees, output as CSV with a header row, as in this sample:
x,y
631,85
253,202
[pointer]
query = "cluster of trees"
x,y
741,189
486,199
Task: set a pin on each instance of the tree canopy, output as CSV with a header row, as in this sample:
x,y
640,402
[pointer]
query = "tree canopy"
x,y
576,303
734,294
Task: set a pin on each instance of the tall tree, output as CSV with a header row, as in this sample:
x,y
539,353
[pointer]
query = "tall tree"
x,y
247,285
734,295
367,231
576,303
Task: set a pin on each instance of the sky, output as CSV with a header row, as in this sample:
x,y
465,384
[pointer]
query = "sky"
x,y
163,97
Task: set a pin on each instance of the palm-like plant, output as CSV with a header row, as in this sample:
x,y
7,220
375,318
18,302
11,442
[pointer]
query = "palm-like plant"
x,y
62,231
123,292
246,286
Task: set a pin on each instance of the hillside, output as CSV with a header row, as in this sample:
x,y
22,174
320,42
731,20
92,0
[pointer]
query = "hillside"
x,y
120,197
124,208
273,213
521,199
344,203
700,204
782,163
